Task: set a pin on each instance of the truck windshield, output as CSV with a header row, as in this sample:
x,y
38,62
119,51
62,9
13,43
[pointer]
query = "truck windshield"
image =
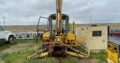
x,y
1,28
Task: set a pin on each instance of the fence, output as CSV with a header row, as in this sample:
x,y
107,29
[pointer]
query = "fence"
x,y
26,35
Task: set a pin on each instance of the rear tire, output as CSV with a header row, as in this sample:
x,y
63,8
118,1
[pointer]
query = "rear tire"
x,y
11,39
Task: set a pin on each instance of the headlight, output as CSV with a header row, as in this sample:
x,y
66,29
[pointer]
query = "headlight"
x,y
58,39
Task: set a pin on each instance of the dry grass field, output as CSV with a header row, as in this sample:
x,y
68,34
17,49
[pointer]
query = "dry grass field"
x,y
18,52
28,28
24,28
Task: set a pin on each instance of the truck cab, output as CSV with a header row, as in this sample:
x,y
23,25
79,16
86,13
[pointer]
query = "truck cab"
x,y
6,36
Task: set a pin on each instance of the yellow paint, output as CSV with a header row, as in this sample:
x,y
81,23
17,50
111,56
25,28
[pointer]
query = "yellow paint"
x,y
46,36
43,54
113,53
70,36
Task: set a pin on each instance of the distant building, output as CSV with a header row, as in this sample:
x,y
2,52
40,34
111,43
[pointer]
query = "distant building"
x,y
95,37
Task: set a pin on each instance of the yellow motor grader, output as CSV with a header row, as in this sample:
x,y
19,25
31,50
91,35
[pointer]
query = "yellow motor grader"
x,y
59,40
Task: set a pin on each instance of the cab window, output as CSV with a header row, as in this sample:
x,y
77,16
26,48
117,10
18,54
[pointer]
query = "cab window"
x,y
1,28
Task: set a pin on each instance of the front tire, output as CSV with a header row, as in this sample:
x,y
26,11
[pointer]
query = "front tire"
x,y
11,39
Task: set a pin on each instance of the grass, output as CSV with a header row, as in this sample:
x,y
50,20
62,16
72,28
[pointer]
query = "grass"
x,y
102,56
71,60
3,46
21,55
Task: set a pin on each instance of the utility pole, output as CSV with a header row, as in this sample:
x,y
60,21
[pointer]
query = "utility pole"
x,y
4,20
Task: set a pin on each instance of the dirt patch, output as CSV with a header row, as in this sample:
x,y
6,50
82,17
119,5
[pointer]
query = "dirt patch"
x,y
16,48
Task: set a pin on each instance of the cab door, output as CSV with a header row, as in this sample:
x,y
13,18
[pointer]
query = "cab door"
x,y
2,32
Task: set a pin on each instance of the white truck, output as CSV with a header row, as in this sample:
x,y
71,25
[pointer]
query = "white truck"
x,y
6,36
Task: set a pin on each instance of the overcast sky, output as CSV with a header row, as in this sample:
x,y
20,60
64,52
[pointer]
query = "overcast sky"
x,y
19,12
